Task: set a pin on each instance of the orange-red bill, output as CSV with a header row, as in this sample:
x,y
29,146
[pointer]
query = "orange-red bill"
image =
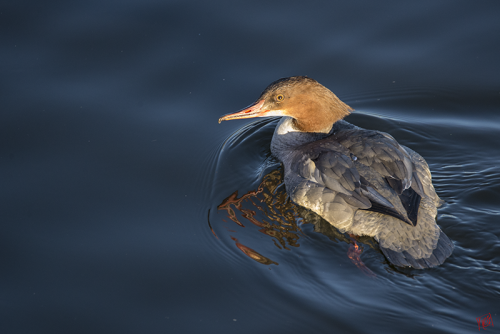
x,y
255,110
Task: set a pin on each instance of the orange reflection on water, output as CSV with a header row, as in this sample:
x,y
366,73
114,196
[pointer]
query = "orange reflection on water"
x,y
280,213
234,200
253,254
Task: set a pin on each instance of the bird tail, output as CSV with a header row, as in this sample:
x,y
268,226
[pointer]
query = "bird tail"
x,y
442,251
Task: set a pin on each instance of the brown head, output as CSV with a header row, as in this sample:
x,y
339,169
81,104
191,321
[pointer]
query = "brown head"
x,y
313,107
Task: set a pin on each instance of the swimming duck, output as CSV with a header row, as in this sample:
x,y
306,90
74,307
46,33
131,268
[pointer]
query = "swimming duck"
x,y
361,181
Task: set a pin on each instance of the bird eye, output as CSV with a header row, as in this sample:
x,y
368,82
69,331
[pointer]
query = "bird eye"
x,y
280,97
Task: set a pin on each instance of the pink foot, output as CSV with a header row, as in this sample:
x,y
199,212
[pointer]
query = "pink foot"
x,y
354,254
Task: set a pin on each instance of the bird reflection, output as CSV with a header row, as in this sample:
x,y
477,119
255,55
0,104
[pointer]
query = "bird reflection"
x,y
253,254
281,213
283,218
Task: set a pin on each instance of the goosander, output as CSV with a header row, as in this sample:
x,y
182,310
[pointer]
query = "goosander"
x,y
361,181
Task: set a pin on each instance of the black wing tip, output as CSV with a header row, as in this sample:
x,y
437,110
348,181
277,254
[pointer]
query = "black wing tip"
x,y
410,200
443,250
395,184
376,207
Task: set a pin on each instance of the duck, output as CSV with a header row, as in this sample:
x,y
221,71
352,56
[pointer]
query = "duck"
x,y
363,182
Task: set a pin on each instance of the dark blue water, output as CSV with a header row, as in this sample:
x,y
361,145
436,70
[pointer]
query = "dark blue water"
x,y
114,167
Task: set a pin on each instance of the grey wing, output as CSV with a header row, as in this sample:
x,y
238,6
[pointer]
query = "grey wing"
x,y
383,154
328,183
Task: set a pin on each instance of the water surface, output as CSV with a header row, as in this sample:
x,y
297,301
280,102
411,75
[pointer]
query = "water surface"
x,y
113,165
